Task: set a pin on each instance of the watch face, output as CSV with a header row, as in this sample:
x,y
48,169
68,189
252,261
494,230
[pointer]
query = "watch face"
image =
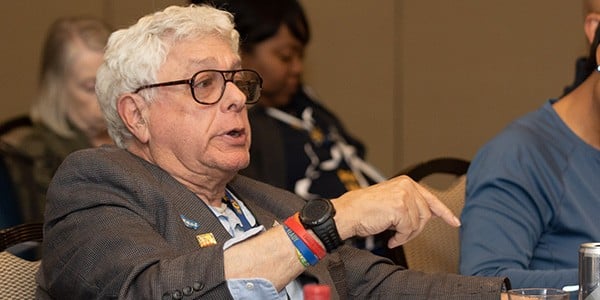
x,y
316,212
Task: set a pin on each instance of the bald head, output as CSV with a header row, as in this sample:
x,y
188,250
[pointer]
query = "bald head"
x,y
591,15
591,6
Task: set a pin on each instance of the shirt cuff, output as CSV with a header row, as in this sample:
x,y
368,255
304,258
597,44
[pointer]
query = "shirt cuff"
x,y
254,288
245,235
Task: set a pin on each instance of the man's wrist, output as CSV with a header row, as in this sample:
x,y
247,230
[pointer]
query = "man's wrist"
x,y
342,223
307,236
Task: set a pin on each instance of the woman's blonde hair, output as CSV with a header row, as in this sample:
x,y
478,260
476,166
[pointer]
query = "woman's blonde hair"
x,y
50,106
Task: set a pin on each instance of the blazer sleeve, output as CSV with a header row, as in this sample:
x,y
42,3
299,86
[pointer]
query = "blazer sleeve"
x,y
373,277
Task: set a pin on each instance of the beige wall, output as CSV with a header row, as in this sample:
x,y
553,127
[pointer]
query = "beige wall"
x,y
421,79
24,25
469,67
412,79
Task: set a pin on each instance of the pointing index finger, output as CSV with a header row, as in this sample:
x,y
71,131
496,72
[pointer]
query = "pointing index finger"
x,y
438,208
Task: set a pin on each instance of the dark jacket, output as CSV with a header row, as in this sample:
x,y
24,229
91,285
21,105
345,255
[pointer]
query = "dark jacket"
x,y
113,230
32,163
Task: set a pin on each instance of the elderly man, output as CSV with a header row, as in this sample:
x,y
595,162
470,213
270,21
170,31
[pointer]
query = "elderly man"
x,y
164,214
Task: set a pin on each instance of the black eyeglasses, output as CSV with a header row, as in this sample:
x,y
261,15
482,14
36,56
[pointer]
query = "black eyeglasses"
x,y
208,86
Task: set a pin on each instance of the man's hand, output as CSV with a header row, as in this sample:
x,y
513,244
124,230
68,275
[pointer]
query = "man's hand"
x,y
399,204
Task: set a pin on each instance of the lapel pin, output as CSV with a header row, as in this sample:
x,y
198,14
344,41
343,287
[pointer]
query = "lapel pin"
x,y
206,240
189,223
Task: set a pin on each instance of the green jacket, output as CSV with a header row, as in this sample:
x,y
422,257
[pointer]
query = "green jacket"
x,y
32,163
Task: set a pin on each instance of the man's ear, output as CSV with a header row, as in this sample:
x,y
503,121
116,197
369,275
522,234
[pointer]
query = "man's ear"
x,y
132,109
597,67
590,25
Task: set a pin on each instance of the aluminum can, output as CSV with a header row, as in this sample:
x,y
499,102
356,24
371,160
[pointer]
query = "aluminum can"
x,y
589,271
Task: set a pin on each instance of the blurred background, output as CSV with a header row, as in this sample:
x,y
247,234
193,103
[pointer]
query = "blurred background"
x,y
412,79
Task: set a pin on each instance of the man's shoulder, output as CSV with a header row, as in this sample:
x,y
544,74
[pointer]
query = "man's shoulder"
x,y
530,132
99,154
531,145
105,161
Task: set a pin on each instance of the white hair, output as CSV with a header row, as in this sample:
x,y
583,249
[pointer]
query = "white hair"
x,y
134,55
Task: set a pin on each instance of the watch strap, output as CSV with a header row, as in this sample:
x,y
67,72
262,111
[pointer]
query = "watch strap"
x,y
328,234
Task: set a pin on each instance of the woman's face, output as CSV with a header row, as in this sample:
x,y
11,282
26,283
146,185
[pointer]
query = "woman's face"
x,y
278,60
83,109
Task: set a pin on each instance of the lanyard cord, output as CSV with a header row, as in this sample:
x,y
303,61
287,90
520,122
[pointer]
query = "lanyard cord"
x,y
231,202
356,164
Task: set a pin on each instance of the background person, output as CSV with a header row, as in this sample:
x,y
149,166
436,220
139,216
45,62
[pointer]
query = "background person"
x,y
65,114
533,195
165,215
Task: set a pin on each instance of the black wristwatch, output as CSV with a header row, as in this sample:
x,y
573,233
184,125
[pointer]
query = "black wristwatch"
x,y
317,215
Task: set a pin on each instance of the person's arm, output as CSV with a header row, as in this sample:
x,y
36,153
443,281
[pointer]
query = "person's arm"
x,y
399,204
504,217
270,255
375,277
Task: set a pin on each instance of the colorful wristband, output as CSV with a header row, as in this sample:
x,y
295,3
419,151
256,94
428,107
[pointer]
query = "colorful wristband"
x,y
294,224
304,254
302,259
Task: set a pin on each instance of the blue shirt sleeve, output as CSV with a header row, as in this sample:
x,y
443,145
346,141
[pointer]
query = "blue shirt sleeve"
x,y
510,221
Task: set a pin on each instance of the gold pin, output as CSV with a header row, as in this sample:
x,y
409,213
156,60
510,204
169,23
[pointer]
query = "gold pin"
x,y
206,239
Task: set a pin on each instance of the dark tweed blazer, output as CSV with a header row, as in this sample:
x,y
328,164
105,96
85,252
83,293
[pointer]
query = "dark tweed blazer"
x,y
113,230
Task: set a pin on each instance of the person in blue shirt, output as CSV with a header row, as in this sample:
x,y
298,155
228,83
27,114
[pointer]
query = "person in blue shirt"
x,y
533,192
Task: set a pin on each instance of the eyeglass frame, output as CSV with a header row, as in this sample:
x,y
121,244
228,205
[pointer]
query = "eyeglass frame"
x,y
190,83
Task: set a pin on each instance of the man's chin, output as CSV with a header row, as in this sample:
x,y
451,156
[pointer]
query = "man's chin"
x,y
236,165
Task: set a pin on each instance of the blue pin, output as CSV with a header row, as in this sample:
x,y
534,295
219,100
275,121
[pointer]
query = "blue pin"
x,y
189,223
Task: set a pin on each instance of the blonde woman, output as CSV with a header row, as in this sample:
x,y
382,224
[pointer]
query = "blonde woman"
x,y
66,114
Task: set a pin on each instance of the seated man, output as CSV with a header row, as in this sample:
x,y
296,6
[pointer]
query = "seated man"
x,y
533,192
164,214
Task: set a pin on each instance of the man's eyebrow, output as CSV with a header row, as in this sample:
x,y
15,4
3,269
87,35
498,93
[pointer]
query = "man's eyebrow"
x,y
203,62
211,61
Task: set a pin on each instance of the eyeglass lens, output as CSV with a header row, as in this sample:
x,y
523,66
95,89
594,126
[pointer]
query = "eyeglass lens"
x,y
209,86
